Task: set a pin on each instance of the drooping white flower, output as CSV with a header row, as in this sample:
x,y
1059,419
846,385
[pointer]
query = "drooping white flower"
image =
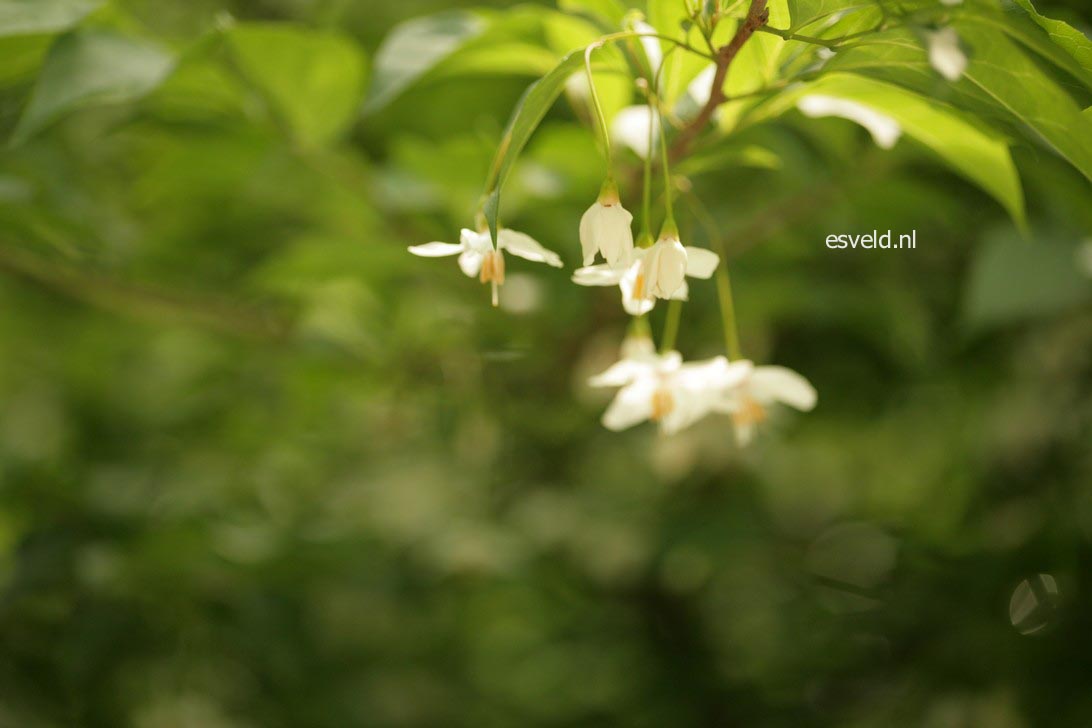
x,y
629,128
700,89
946,54
663,269
885,130
652,273
651,45
748,399
606,228
478,257
662,388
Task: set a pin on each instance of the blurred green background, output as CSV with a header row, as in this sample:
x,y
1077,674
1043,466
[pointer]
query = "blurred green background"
x,y
261,467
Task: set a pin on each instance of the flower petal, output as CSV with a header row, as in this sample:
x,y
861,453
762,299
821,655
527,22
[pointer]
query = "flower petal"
x,y
637,307
689,408
682,293
526,247
436,250
885,130
478,242
781,384
664,267
634,306
632,405
621,373
701,263
597,275
471,262
614,237
589,225
630,128
945,54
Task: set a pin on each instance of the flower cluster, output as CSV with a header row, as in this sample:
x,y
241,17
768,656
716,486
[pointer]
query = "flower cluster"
x,y
656,387
662,388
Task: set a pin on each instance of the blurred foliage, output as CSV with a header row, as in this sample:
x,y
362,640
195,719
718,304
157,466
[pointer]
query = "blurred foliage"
x,y
260,467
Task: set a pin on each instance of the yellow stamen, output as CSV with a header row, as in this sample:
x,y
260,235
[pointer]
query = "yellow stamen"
x,y
493,271
486,273
662,404
639,286
750,412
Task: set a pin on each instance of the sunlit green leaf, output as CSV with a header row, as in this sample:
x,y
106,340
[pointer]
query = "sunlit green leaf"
x,y
978,155
1066,36
315,80
758,62
413,49
528,115
1056,44
88,69
610,11
21,55
30,17
805,12
1000,83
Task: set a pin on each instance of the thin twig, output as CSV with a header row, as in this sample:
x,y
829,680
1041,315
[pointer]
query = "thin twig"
x,y
757,16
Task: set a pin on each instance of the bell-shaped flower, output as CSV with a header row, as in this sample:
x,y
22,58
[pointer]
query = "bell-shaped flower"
x,y
946,54
478,258
662,388
651,273
749,398
663,270
606,228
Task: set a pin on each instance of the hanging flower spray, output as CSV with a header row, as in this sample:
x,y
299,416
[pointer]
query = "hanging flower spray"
x,y
657,386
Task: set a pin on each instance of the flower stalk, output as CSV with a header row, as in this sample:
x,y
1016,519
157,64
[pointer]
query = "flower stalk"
x,y
671,326
597,106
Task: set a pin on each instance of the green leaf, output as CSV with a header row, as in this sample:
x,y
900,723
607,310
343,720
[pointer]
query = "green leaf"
x,y
1071,55
314,79
979,156
531,109
413,49
21,55
91,69
1001,83
805,12
1013,281
31,17
758,61
1064,35
679,67
506,59
610,11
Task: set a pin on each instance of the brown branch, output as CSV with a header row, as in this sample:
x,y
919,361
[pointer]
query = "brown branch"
x,y
757,16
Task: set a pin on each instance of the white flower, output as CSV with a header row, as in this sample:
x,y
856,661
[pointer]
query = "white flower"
x,y
663,270
946,56
663,389
748,399
606,228
885,131
630,128
951,3
477,257
651,273
651,45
